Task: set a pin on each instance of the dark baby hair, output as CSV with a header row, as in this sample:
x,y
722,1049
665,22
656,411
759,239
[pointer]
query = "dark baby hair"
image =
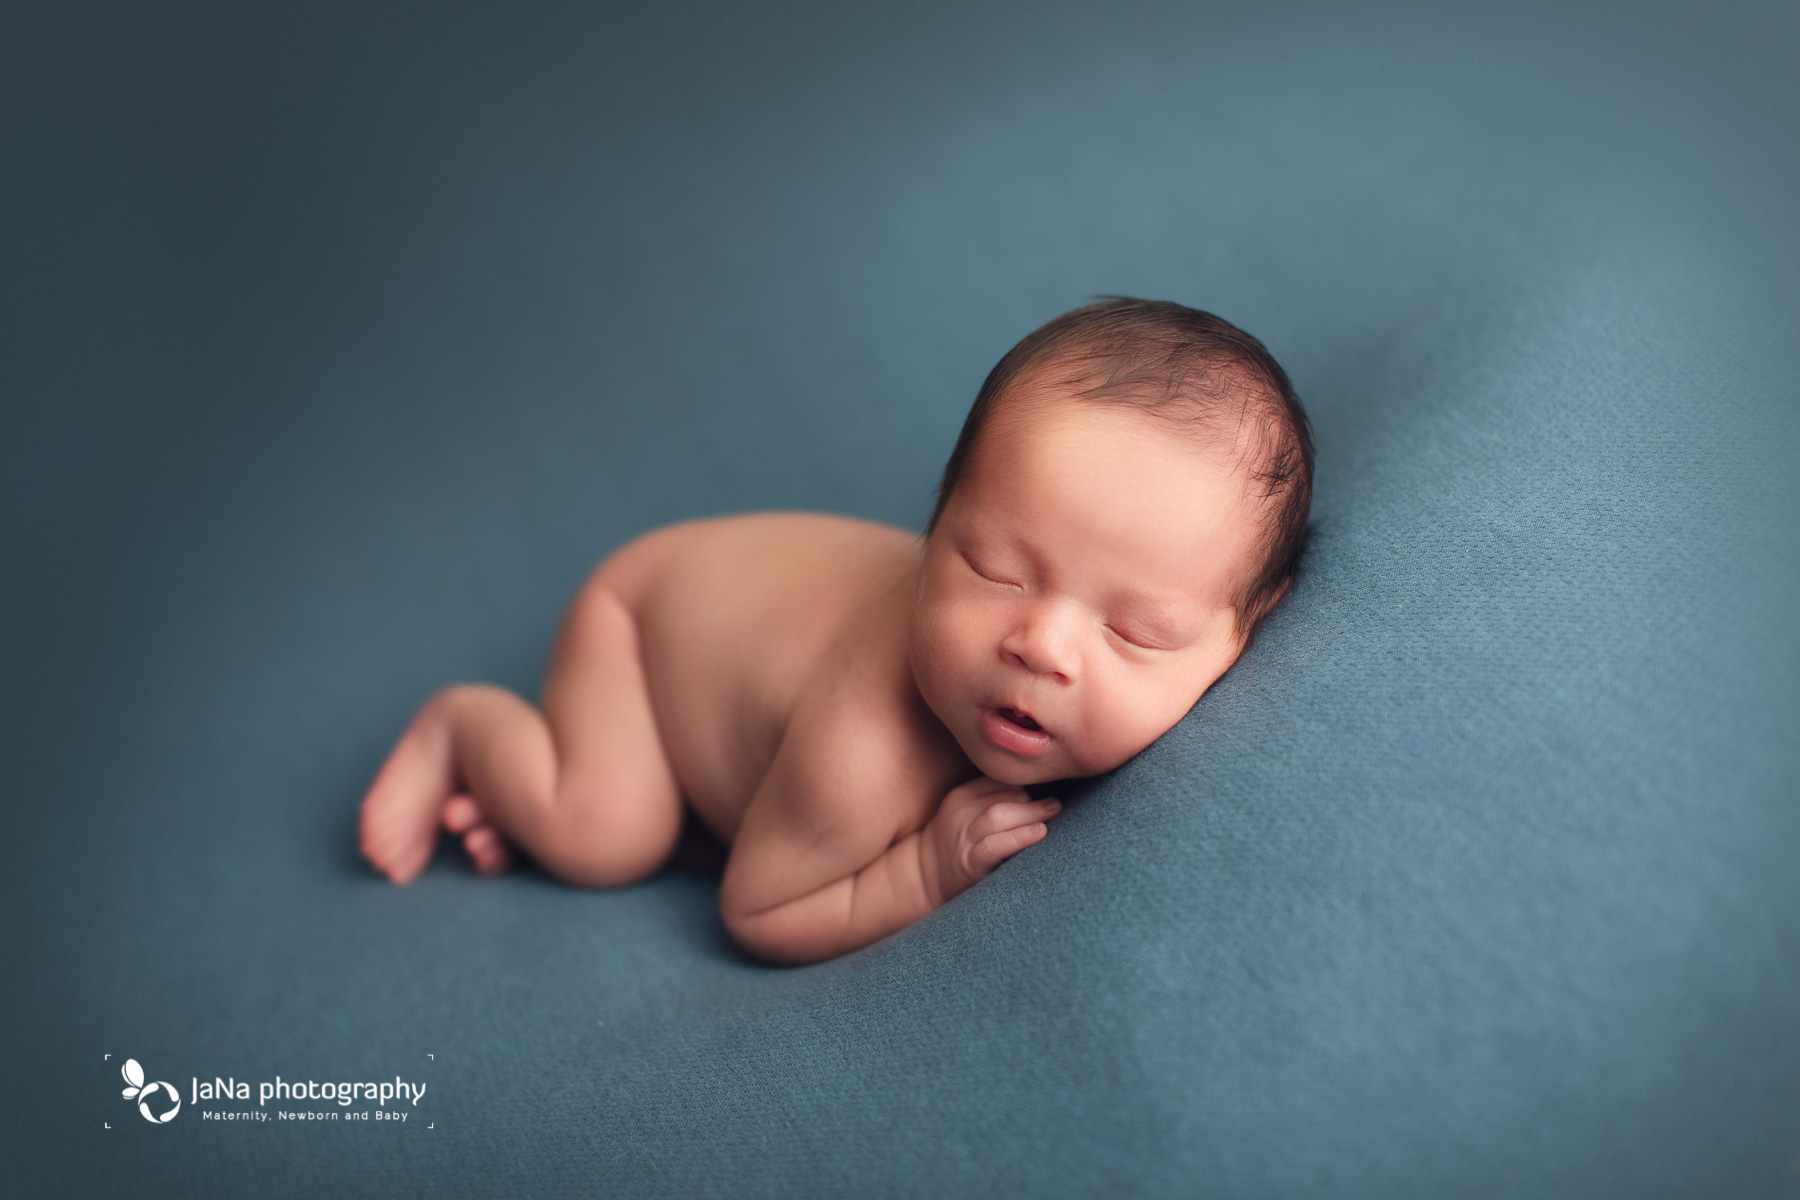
x,y
1199,372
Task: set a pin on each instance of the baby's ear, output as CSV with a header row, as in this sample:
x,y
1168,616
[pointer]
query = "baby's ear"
x,y
1265,610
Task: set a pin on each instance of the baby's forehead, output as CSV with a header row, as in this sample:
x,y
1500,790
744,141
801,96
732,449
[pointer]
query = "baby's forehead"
x,y
1209,444
1078,462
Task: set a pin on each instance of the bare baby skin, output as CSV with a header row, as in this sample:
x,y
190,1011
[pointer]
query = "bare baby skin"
x,y
854,710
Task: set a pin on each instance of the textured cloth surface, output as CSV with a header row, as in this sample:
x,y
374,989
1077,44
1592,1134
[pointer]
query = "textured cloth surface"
x,y
341,344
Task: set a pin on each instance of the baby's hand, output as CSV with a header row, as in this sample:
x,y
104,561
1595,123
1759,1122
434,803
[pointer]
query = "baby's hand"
x,y
979,826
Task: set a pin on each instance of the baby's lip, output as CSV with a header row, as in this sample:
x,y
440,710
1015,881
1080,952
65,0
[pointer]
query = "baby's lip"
x,y
1015,731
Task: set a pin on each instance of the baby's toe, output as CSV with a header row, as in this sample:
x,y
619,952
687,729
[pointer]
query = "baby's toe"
x,y
461,813
486,850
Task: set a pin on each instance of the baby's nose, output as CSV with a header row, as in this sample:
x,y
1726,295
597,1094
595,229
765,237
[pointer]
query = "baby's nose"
x,y
1043,644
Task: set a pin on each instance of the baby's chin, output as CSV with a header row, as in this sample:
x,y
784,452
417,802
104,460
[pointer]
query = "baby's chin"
x,y
1017,771
1017,774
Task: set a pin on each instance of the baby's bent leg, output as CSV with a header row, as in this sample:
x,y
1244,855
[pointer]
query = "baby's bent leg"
x,y
583,786
617,811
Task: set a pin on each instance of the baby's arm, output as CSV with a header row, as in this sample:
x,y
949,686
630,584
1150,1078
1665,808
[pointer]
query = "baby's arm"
x,y
816,870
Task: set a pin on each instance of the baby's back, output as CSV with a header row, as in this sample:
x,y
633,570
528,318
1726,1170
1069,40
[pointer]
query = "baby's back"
x,y
733,615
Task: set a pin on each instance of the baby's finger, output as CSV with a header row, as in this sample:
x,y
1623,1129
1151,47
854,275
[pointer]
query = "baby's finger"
x,y
996,848
1009,814
983,787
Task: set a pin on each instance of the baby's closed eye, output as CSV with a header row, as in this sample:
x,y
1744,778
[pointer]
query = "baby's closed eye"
x,y
989,571
1144,636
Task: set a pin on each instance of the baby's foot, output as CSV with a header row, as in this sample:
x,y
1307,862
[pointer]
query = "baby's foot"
x,y
400,813
487,849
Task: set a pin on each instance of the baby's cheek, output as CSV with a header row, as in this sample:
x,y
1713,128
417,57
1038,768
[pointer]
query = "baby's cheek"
x,y
936,651
1100,746
1123,724
946,630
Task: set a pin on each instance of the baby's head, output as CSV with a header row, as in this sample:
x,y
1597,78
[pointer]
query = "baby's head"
x,y
1127,500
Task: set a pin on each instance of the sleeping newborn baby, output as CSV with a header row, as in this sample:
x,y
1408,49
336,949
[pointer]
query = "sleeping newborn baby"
x,y
857,711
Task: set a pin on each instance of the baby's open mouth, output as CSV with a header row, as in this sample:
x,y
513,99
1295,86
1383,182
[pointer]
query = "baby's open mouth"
x,y
1019,718
1015,732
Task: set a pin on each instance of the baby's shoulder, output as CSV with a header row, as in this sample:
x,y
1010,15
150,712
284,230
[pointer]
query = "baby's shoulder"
x,y
861,729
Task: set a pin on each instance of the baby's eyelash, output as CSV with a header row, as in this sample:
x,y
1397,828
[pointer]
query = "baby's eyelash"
x,y
1129,640
990,578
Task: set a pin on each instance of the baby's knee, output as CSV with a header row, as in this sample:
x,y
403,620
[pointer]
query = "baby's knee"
x,y
610,845
450,699
604,866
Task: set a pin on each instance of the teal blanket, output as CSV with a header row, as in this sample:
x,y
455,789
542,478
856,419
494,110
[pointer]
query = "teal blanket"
x,y
340,342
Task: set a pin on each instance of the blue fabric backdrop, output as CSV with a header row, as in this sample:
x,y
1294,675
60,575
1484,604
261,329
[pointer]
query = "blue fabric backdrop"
x,y
340,342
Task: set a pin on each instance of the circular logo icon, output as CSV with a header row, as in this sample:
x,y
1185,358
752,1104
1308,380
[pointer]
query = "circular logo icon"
x,y
144,1104
141,1092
